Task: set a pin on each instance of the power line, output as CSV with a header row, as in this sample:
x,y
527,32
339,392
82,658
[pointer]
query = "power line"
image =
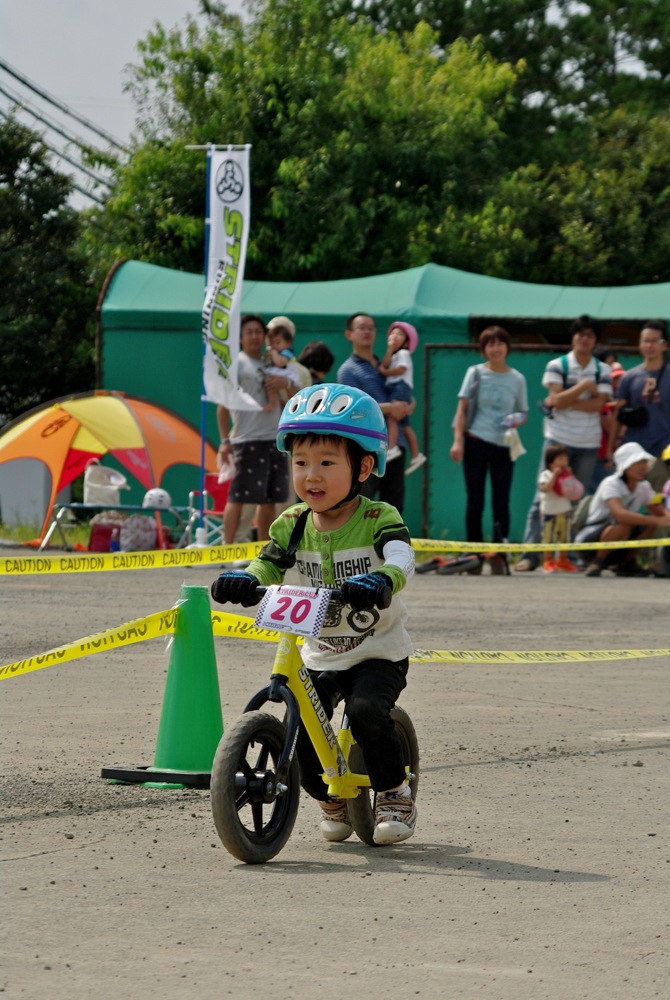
x,y
87,194
62,107
23,105
78,166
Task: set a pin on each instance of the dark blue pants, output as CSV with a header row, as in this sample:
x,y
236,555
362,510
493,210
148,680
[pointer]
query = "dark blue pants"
x,y
482,459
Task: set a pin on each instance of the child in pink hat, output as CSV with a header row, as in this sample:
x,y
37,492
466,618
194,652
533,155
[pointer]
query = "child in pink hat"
x,y
396,366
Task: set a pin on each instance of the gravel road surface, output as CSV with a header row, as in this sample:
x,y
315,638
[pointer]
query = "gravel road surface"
x,y
541,863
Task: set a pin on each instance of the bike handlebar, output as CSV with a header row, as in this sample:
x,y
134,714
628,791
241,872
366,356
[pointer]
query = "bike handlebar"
x,y
335,591
382,602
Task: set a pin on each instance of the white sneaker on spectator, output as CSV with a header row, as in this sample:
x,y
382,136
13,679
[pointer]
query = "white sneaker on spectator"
x,y
415,464
392,453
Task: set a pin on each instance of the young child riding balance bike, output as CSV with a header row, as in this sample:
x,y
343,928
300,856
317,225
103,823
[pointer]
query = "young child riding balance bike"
x,y
336,539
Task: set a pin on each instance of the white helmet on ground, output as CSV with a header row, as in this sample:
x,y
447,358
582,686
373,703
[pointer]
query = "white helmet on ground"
x,y
157,498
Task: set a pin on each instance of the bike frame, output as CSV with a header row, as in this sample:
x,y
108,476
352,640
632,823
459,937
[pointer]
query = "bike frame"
x,y
291,683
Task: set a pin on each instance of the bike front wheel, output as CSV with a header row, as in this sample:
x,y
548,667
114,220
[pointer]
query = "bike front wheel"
x,y
253,818
362,807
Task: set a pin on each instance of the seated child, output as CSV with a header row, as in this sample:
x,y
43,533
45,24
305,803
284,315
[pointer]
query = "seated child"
x,y
615,511
396,366
280,358
336,438
558,488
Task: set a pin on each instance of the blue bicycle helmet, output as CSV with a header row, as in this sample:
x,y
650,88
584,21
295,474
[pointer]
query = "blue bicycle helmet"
x,y
330,408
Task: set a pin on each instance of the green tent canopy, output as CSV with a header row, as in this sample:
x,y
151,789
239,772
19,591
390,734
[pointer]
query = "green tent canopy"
x,y
151,346
145,296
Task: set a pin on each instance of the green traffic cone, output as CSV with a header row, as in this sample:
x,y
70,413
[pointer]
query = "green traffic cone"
x,y
191,723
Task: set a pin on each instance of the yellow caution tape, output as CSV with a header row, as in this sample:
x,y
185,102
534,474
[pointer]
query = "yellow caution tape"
x,y
240,627
162,623
442,545
95,562
532,655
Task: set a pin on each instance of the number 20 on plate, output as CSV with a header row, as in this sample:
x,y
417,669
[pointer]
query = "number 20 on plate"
x,y
293,609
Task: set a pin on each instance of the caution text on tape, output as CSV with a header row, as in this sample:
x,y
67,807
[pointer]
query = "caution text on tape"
x,y
96,562
169,558
442,545
163,623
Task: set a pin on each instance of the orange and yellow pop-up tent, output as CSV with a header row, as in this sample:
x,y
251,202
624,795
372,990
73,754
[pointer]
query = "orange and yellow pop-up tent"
x,y
65,434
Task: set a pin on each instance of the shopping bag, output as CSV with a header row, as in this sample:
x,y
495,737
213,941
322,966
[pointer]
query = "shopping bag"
x,y
102,486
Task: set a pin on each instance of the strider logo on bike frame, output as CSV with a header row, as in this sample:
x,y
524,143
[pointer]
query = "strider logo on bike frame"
x,y
303,674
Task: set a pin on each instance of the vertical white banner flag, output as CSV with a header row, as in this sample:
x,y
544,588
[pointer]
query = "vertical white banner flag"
x,y
229,213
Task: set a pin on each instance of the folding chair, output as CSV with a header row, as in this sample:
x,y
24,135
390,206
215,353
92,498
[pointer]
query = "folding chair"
x,y
214,498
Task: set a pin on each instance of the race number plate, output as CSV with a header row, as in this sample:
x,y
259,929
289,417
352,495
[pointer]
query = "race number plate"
x,y
293,609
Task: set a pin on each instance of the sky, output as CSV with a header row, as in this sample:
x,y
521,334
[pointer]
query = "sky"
x,y
77,51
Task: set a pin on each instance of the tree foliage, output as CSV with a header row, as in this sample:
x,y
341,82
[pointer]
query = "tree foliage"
x,y
356,138
502,136
603,219
576,53
46,300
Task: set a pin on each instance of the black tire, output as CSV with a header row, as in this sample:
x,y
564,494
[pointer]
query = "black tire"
x,y
429,566
460,564
362,808
253,821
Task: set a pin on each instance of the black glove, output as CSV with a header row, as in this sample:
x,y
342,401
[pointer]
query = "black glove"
x,y
236,587
367,591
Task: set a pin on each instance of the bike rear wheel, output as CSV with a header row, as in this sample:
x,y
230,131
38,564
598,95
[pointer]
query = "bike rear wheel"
x,y
362,808
253,819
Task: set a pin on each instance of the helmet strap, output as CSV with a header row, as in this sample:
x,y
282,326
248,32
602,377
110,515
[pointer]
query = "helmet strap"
x,y
356,487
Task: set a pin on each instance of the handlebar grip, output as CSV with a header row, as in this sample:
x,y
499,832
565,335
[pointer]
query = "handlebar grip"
x,y
384,598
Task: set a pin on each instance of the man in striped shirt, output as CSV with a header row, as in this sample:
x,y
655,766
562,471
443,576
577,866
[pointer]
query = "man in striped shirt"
x,y
361,370
578,386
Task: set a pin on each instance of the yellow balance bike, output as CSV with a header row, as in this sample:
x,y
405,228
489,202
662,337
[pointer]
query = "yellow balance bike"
x,y
255,784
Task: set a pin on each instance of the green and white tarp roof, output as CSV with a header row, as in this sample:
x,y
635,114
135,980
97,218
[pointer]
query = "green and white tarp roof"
x,y
146,296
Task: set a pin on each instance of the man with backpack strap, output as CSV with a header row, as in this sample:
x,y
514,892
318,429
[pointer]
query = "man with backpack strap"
x,y
578,386
643,401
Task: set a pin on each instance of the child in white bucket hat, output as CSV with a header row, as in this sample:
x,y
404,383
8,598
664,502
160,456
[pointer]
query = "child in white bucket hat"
x,y
615,512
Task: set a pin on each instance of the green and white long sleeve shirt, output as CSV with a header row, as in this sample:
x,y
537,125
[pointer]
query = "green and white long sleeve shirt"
x,y
373,539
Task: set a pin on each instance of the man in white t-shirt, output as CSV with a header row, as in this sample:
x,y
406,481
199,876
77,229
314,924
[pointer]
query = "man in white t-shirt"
x,y
614,512
249,437
578,386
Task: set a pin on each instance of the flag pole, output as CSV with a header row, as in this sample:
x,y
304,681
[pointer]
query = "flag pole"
x,y
213,245
203,403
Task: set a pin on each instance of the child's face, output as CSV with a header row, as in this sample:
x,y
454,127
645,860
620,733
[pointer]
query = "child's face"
x,y
277,341
321,472
396,339
638,471
560,462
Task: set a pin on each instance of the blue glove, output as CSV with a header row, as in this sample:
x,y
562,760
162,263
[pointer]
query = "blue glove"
x,y
367,591
236,587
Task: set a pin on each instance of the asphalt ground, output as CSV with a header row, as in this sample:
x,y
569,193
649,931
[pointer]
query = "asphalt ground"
x,y
540,867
